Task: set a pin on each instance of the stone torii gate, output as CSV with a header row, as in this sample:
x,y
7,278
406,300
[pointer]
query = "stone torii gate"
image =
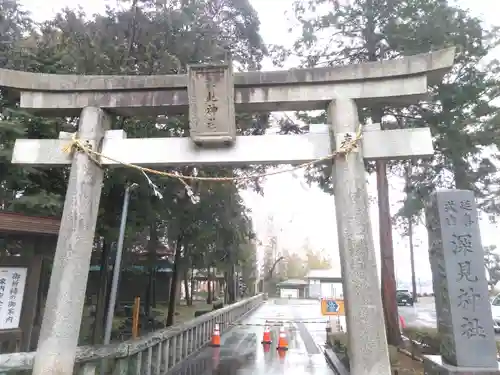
x,y
212,94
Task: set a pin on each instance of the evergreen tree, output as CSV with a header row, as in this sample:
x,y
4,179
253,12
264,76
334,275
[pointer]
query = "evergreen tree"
x,y
138,38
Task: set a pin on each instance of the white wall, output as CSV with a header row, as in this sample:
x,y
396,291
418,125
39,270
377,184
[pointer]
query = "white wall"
x,y
314,290
318,289
289,293
332,290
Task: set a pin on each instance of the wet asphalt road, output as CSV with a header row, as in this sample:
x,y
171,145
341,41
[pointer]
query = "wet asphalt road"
x,y
422,314
241,351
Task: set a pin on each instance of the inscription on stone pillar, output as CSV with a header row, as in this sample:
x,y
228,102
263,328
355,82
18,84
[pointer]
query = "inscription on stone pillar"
x,y
211,104
460,287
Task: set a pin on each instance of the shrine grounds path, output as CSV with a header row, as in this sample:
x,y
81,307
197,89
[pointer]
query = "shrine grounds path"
x,y
241,351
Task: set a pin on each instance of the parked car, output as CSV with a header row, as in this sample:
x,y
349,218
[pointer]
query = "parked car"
x,y
495,312
404,298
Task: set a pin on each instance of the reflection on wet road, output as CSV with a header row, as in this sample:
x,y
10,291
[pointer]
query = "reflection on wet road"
x,y
241,351
422,314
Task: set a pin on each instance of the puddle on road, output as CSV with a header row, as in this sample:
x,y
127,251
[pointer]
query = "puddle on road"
x,y
233,365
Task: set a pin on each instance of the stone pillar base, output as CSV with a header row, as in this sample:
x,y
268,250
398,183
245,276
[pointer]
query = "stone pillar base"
x,y
433,365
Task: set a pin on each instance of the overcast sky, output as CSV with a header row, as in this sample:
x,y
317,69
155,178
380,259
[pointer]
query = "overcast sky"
x,y
303,213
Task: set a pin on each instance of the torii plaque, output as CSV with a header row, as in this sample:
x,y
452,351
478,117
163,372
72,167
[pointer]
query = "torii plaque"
x,y
211,104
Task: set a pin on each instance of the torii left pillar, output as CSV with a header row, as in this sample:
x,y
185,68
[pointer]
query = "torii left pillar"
x,y
60,329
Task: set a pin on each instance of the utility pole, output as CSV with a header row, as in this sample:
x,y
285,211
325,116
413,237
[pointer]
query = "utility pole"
x,y
410,234
117,265
412,261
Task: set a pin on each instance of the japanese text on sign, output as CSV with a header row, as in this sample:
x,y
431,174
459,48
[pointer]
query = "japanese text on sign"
x,y
459,213
12,283
458,218
211,107
211,100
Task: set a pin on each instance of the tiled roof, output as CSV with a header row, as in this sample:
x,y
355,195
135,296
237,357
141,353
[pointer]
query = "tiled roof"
x,y
293,282
19,223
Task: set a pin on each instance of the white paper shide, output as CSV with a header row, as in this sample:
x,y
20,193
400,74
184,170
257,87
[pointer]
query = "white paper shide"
x,y
12,283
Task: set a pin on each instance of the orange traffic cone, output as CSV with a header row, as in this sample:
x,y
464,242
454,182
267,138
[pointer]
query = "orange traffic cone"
x,y
281,354
266,339
282,341
402,323
216,337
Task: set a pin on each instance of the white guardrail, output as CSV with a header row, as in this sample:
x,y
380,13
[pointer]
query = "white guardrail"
x,y
151,354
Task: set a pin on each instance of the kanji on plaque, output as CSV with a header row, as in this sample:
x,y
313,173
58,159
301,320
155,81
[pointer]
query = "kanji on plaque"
x,y
12,283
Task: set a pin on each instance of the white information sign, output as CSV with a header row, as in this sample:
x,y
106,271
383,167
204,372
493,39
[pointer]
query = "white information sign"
x,y
12,283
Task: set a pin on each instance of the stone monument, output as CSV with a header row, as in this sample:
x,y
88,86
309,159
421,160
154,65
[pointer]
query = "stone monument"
x,y
463,307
